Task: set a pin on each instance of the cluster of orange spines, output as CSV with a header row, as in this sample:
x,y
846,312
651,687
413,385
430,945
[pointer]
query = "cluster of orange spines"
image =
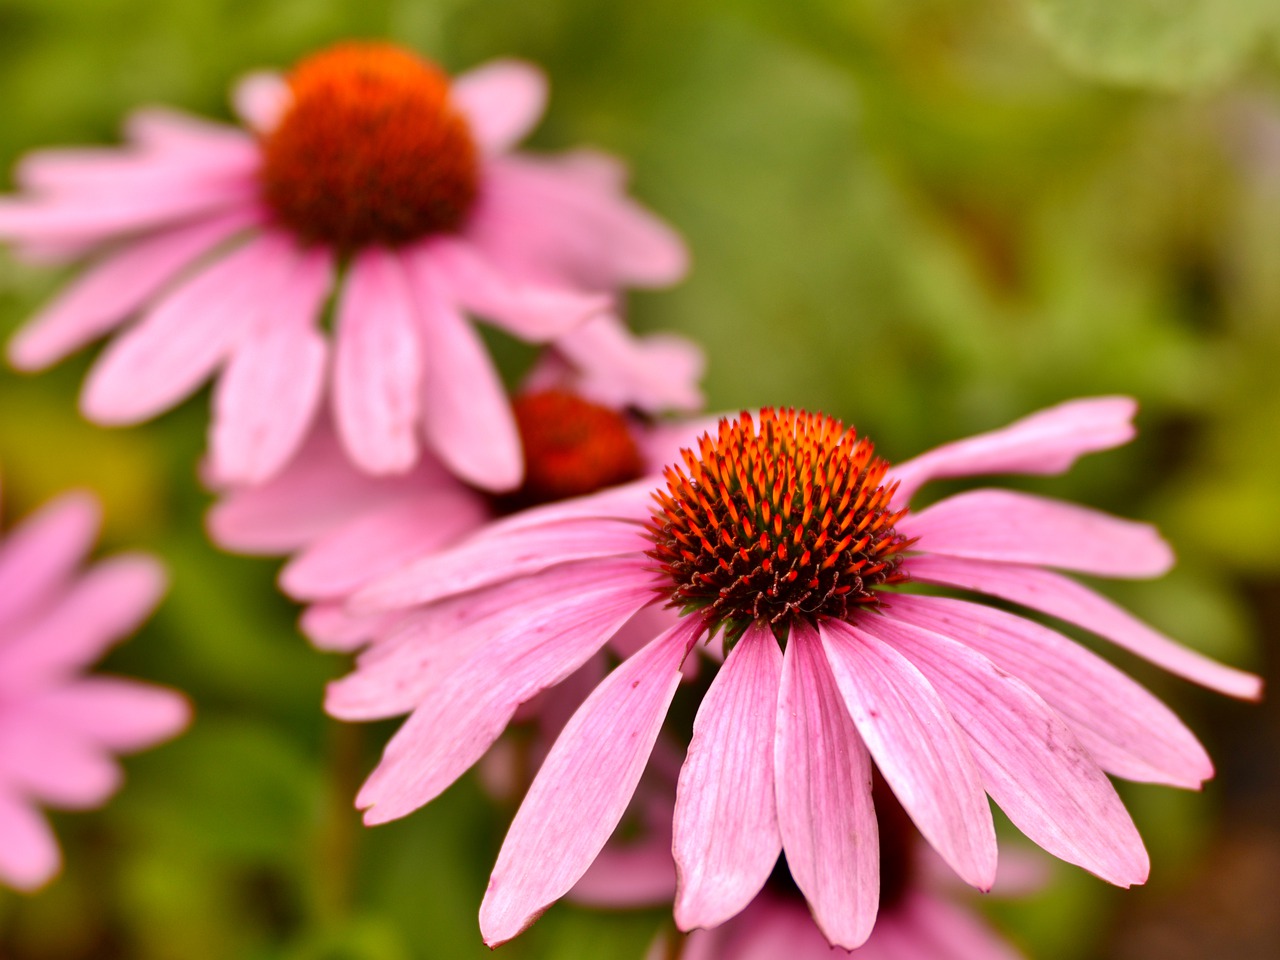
x,y
572,447
770,524
371,150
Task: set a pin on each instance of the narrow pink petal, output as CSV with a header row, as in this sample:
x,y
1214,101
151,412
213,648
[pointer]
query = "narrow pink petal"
x,y
173,131
583,788
945,931
1021,528
726,838
106,603
108,175
40,554
1061,597
114,288
319,490
469,708
530,311
381,542
379,365
466,416
115,713
1046,442
491,559
260,99
1125,729
330,627
918,747
267,397
1031,762
825,814
502,101
29,855
629,876
55,766
180,341
546,219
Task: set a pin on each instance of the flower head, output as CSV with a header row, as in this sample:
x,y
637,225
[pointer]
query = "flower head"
x,y
368,172
60,729
950,700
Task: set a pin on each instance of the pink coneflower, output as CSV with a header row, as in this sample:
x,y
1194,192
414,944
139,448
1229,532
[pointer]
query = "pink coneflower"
x,y
364,170
787,537
58,728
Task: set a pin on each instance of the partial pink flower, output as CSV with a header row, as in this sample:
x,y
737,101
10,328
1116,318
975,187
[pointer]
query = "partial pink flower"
x,y
364,175
60,729
784,534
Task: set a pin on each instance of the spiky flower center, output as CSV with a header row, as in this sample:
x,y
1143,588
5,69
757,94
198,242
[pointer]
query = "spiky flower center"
x,y
775,522
369,151
572,447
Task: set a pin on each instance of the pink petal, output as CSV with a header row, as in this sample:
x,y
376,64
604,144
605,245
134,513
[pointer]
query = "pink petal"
x,y
173,131
107,175
381,542
918,747
726,838
947,932
466,416
492,559
114,288
29,854
55,766
379,365
1021,528
1046,442
472,705
638,875
180,341
1030,760
267,397
1061,597
260,100
40,554
583,788
103,605
114,713
331,628
502,101
544,218
1125,729
530,311
823,778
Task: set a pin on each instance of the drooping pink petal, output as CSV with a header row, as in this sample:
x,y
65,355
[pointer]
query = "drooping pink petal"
x,y
1031,762
170,131
378,365
115,287
943,931
823,779
107,602
181,339
548,221
638,875
381,541
260,100
466,416
450,730
530,311
38,556
114,713
1013,527
1061,597
29,854
267,397
63,177
726,838
917,746
1046,442
583,788
502,101
491,559
55,766
331,627
1125,729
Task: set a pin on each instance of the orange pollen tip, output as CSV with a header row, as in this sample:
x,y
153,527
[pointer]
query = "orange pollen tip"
x,y
370,151
573,447
825,559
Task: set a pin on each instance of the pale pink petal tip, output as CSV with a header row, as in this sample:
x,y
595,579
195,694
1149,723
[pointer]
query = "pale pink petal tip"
x,y
502,101
29,856
260,100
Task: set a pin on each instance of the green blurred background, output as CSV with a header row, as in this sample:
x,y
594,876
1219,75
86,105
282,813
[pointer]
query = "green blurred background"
x,y
925,217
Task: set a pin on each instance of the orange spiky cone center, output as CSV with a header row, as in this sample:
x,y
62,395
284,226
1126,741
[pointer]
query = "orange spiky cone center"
x,y
772,522
370,151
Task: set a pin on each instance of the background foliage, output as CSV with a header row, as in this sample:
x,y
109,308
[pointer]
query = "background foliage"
x,y
926,217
